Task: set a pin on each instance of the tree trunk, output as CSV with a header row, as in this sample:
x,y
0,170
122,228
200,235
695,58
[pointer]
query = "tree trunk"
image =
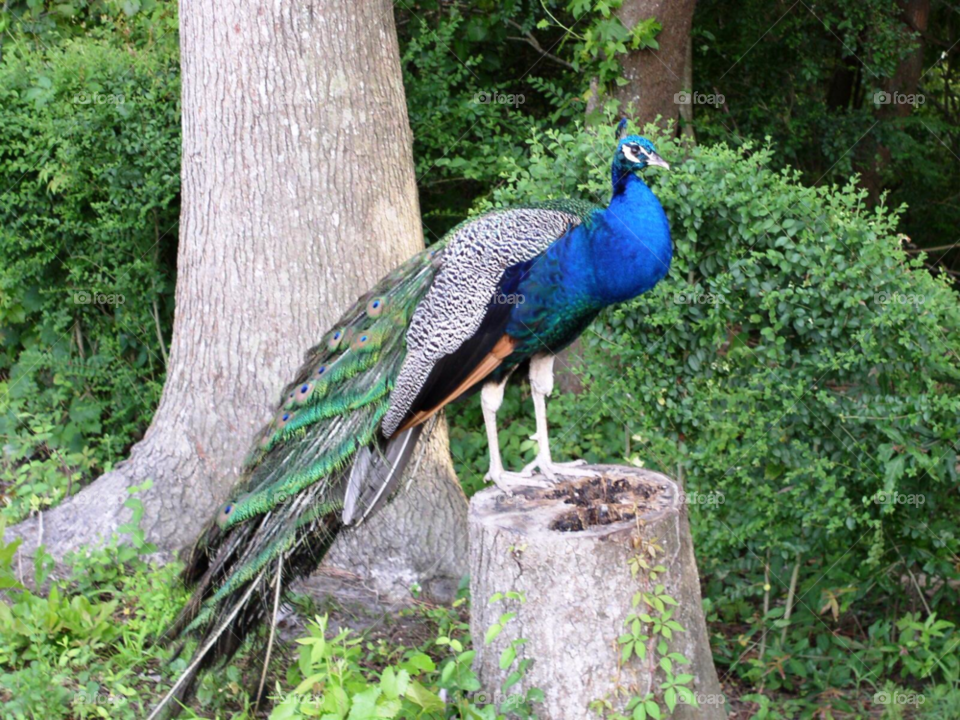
x,y
298,194
890,103
686,83
570,551
915,15
655,76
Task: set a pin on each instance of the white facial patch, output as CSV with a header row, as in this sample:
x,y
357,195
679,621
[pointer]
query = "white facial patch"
x,y
631,156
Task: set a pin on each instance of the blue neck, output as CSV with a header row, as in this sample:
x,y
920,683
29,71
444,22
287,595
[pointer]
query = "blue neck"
x,y
630,244
620,177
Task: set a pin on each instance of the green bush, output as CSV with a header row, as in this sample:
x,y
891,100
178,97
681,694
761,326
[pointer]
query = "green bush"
x,y
89,153
799,372
344,676
81,649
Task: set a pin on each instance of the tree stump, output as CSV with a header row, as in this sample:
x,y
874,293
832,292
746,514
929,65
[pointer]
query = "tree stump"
x,y
571,550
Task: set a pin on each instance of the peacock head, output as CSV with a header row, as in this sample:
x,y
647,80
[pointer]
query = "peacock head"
x,y
634,153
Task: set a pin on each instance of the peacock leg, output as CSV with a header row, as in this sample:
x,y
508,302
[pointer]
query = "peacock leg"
x,y
541,385
491,397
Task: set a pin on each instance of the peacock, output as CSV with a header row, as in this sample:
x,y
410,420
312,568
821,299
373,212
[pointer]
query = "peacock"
x,y
502,291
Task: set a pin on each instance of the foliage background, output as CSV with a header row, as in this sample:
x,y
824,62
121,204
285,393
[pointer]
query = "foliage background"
x,y
89,156
798,369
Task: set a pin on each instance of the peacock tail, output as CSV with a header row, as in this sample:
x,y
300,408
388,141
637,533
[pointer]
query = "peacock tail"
x,y
334,450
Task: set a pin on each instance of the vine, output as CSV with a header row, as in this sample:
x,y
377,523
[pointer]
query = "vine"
x,y
649,629
518,704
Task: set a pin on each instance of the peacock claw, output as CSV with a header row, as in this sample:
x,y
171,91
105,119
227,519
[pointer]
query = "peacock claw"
x,y
507,481
553,470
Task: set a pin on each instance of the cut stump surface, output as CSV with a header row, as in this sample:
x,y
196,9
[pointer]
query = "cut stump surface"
x,y
568,549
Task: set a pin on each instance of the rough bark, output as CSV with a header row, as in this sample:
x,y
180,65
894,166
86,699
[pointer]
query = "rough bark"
x,y
298,193
905,81
686,110
578,588
655,76
915,15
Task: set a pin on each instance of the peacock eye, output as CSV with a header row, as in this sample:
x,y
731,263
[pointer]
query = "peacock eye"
x,y
224,516
635,148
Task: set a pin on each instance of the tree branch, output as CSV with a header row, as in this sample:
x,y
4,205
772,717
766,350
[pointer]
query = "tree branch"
x,y
532,42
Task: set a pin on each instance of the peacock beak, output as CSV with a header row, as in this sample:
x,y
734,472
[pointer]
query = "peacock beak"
x,y
656,160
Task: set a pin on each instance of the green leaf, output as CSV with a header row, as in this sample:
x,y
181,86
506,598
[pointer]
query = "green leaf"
x,y
670,698
393,683
653,709
687,695
423,698
421,662
363,705
447,672
511,680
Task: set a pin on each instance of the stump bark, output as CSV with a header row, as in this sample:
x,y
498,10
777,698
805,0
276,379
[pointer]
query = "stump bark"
x,y
568,549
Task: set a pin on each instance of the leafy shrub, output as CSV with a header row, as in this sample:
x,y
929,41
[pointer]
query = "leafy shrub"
x,y
80,649
90,143
339,676
798,371
35,625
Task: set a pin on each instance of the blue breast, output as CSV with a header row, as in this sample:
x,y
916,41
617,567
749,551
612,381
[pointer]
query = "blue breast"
x,y
621,252
630,245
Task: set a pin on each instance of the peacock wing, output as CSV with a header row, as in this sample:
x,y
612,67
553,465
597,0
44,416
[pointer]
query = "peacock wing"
x,y
457,326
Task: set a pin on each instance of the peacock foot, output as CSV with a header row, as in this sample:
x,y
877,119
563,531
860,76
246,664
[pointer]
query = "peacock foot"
x,y
554,470
508,481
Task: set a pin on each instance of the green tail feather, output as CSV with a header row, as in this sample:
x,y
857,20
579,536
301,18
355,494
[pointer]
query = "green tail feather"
x,y
286,508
